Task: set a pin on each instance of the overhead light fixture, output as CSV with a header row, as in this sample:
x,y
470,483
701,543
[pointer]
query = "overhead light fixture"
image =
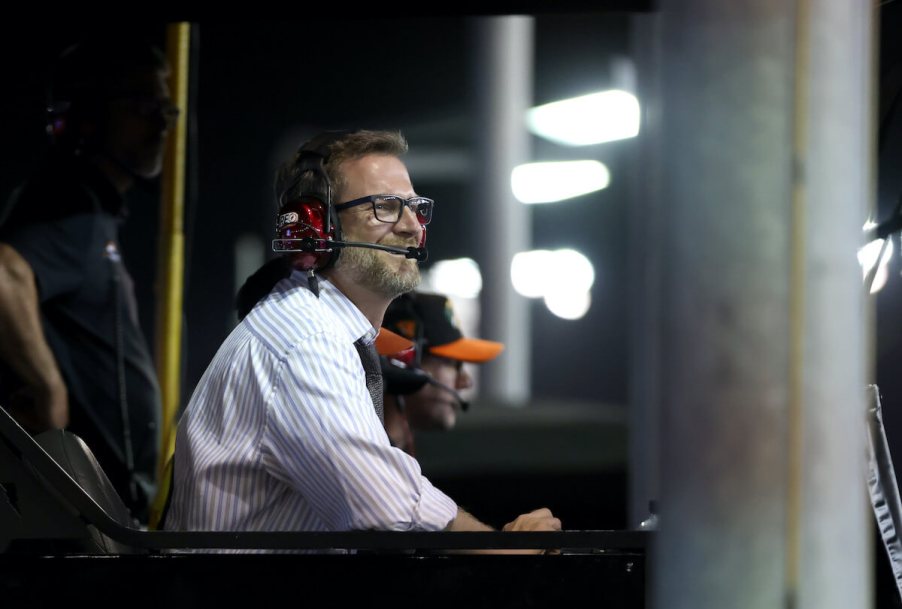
x,y
530,272
459,277
570,305
562,278
867,258
555,181
587,119
574,270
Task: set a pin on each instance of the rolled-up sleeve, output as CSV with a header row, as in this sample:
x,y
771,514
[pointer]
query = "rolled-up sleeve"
x,y
324,439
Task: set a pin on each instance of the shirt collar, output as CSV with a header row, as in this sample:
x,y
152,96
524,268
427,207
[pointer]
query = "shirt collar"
x,y
346,313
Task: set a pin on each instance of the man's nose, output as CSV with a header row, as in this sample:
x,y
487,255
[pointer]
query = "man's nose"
x,y
409,223
163,113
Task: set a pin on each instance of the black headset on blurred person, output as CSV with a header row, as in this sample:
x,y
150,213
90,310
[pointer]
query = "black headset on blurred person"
x,y
429,321
85,78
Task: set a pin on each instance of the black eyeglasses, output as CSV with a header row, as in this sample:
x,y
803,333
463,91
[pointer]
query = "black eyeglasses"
x,y
389,208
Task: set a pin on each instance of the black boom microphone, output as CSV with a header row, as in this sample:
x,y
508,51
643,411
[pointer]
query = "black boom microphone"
x,y
417,253
464,405
309,244
422,374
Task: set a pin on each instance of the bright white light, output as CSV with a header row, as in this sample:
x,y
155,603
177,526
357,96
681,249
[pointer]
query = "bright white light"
x,y
867,255
588,119
574,270
460,277
867,258
532,271
556,181
568,304
562,277
879,279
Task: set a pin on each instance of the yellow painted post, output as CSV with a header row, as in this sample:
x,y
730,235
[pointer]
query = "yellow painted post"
x,y
170,268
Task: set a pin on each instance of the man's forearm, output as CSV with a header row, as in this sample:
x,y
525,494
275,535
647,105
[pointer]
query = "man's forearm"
x,y
464,521
537,520
23,346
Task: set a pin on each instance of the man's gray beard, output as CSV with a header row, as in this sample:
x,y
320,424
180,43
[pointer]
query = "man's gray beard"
x,y
369,269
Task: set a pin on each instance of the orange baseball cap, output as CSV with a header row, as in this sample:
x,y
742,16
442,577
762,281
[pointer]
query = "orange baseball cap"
x,y
429,321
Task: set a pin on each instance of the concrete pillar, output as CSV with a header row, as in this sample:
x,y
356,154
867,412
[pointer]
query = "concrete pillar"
x,y
766,169
646,260
503,77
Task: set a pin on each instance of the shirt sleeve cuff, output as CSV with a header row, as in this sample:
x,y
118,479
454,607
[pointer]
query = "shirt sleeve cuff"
x,y
435,510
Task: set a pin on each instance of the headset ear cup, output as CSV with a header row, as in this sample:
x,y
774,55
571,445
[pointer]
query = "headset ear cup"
x,y
312,180
326,259
301,220
318,212
56,124
63,122
312,159
75,126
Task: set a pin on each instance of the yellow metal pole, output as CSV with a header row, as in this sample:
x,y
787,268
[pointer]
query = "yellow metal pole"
x,y
170,268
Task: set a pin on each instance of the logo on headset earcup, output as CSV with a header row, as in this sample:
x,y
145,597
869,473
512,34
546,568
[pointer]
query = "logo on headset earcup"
x,y
301,227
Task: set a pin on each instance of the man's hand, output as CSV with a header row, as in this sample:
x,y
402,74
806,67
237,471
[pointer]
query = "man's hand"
x,y
537,520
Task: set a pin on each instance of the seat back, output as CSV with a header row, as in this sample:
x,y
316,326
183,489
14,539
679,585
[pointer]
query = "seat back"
x,y
36,514
55,499
74,456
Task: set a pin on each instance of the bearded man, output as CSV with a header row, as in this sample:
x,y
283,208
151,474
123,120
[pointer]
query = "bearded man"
x,y
284,431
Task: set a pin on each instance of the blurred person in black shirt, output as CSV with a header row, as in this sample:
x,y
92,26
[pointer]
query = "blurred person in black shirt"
x,y
72,354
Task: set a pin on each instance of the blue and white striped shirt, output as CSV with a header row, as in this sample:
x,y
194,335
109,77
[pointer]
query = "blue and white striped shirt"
x,y
281,433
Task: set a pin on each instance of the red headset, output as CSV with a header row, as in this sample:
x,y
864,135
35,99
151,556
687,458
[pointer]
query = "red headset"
x,y
307,224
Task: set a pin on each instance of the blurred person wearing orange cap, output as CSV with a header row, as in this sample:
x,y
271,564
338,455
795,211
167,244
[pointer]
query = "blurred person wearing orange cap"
x,y
422,383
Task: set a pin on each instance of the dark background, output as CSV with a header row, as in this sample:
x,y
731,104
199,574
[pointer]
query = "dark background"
x,y
263,87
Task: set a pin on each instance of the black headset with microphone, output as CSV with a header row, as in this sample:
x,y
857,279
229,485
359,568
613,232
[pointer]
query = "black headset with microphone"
x,y
464,405
407,366
403,379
